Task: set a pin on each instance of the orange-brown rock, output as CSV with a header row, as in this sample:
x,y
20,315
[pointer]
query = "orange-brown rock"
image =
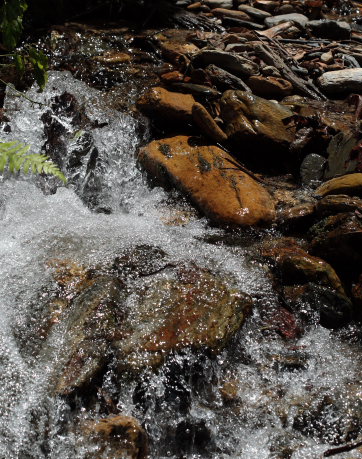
x,y
117,437
209,177
172,77
270,87
207,124
113,58
167,105
350,184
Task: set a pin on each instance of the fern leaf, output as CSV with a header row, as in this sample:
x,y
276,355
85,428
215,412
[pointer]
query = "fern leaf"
x,y
14,155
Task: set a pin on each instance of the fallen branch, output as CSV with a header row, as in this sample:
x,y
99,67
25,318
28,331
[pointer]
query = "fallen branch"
x,y
342,449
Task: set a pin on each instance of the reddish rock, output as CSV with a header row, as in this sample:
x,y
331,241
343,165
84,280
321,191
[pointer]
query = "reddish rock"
x,y
171,77
270,87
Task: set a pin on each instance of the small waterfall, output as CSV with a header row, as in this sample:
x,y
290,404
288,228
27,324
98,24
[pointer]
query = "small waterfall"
x,y
251,401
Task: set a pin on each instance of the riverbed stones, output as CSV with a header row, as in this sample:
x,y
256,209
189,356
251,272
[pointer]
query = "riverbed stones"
x,y
341,81
166,105
350,184
208,176
256,13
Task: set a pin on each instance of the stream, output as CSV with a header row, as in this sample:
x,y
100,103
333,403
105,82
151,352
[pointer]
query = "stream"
x,y
259,397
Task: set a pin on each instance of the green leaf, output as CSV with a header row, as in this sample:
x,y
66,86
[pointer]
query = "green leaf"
x,y
39,62
14,155
11,22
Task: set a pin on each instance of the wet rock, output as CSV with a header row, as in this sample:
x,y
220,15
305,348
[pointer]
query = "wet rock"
x,y
116,437
341,81
166,105
296,18
335,204
312,169
334,30
251,118
225,195
316,303
343,154
140,261
338,239
197,310
270,87
297,217
207,125
193,436
254,12
266,5
284,323
350,184
233,63
85,350
296,266
357,296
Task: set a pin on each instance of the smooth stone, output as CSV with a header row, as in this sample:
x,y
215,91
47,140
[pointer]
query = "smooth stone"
x,y
233,63
223,12
166,105
206,174
227,4
312,169
350,184
325,28
340,81
254,12
297,18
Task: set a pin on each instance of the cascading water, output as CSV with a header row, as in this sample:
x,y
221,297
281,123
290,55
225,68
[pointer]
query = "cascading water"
x,y
259,398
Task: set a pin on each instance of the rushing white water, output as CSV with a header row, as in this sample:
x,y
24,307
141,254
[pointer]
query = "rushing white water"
x,y
272,397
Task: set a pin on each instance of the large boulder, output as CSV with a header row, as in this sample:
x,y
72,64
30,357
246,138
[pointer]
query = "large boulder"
x,y
146,309
210,178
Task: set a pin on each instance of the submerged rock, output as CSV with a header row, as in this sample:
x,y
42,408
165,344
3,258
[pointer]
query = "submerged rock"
x,y
197,310
117,437
209,177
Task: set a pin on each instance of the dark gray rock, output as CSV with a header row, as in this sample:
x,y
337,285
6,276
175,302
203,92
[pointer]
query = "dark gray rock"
x,y
312,169
254,12
325,28
340,157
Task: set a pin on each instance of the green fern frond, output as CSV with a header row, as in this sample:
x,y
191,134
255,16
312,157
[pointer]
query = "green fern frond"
x,y
14,155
